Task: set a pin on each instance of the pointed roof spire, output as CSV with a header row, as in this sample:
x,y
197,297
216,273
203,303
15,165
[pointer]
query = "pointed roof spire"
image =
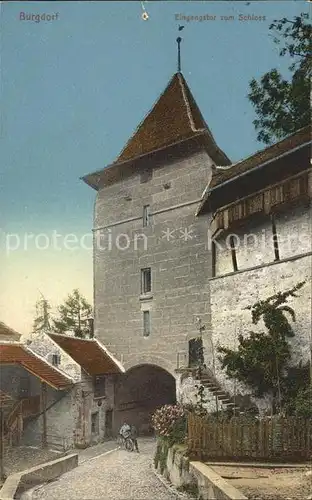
x,y
173,118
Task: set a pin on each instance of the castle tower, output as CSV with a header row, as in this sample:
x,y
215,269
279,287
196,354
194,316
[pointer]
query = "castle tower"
x,y
151,261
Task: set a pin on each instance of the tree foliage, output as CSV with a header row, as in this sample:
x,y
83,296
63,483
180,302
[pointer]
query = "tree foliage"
x,y
73,316
42,321
297,391
282,105
302,404
261,359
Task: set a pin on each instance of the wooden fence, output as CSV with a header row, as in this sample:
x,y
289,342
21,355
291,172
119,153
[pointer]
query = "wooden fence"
x,y
267,439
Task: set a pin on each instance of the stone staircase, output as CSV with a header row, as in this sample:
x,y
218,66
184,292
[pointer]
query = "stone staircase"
x,y
206,378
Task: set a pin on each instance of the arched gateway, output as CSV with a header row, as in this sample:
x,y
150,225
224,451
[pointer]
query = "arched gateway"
x,y
141,390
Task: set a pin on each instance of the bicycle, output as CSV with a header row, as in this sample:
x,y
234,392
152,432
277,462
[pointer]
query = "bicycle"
x,y
129,444
125,443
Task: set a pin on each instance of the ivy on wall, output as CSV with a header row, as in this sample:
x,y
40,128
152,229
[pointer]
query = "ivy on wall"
x,y
262,359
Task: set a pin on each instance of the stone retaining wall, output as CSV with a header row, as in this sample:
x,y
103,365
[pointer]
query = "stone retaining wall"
x,y
17,483
197,476
211,486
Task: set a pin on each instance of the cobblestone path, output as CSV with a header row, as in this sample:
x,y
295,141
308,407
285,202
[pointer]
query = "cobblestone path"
x,y
120,475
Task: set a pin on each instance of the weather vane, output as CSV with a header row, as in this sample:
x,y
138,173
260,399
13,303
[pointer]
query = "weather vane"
x,y
179,40
145,15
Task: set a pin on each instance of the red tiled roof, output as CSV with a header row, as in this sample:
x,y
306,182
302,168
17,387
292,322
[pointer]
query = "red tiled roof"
x,y
16,353
246,166
174,117
297,139
174,120
90,354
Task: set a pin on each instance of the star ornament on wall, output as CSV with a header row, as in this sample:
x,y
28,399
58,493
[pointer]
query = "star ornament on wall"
x,y
186,234
168,234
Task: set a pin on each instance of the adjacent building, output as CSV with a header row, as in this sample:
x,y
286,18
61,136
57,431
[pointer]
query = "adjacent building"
x,y
260,217
43,406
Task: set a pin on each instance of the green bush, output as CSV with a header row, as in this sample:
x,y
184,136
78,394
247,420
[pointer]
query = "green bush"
x,y
302,405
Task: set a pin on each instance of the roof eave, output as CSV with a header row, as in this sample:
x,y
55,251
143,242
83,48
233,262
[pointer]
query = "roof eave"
x,y
207,192
7,330
69,381
91,341
210,145
111,356
36,355
88,178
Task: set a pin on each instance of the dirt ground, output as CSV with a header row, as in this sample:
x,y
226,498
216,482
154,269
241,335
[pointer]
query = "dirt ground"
x,y
268,483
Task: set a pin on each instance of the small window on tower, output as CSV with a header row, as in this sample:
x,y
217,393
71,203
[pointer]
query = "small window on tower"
x,y
146,175
146,280
146,324
146,215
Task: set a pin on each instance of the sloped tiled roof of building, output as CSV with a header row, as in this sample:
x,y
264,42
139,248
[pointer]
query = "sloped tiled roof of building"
x,y
20,354
90,354
174,117
7,331
300,137
225,175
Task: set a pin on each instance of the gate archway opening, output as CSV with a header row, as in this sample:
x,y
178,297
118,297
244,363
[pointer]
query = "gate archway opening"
x,y
142,390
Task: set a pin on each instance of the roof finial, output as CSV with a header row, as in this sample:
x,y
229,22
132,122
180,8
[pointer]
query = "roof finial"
x,y
179,40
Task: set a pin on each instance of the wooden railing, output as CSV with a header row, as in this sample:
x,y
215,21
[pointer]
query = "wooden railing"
x,y
241,438
263,202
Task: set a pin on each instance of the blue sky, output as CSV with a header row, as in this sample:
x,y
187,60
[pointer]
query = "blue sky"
x,y
73,91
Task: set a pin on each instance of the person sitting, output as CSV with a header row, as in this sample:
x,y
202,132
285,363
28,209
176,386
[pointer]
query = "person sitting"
x,y
134,437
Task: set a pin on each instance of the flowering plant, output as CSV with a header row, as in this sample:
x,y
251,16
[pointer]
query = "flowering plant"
x,y
167,419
